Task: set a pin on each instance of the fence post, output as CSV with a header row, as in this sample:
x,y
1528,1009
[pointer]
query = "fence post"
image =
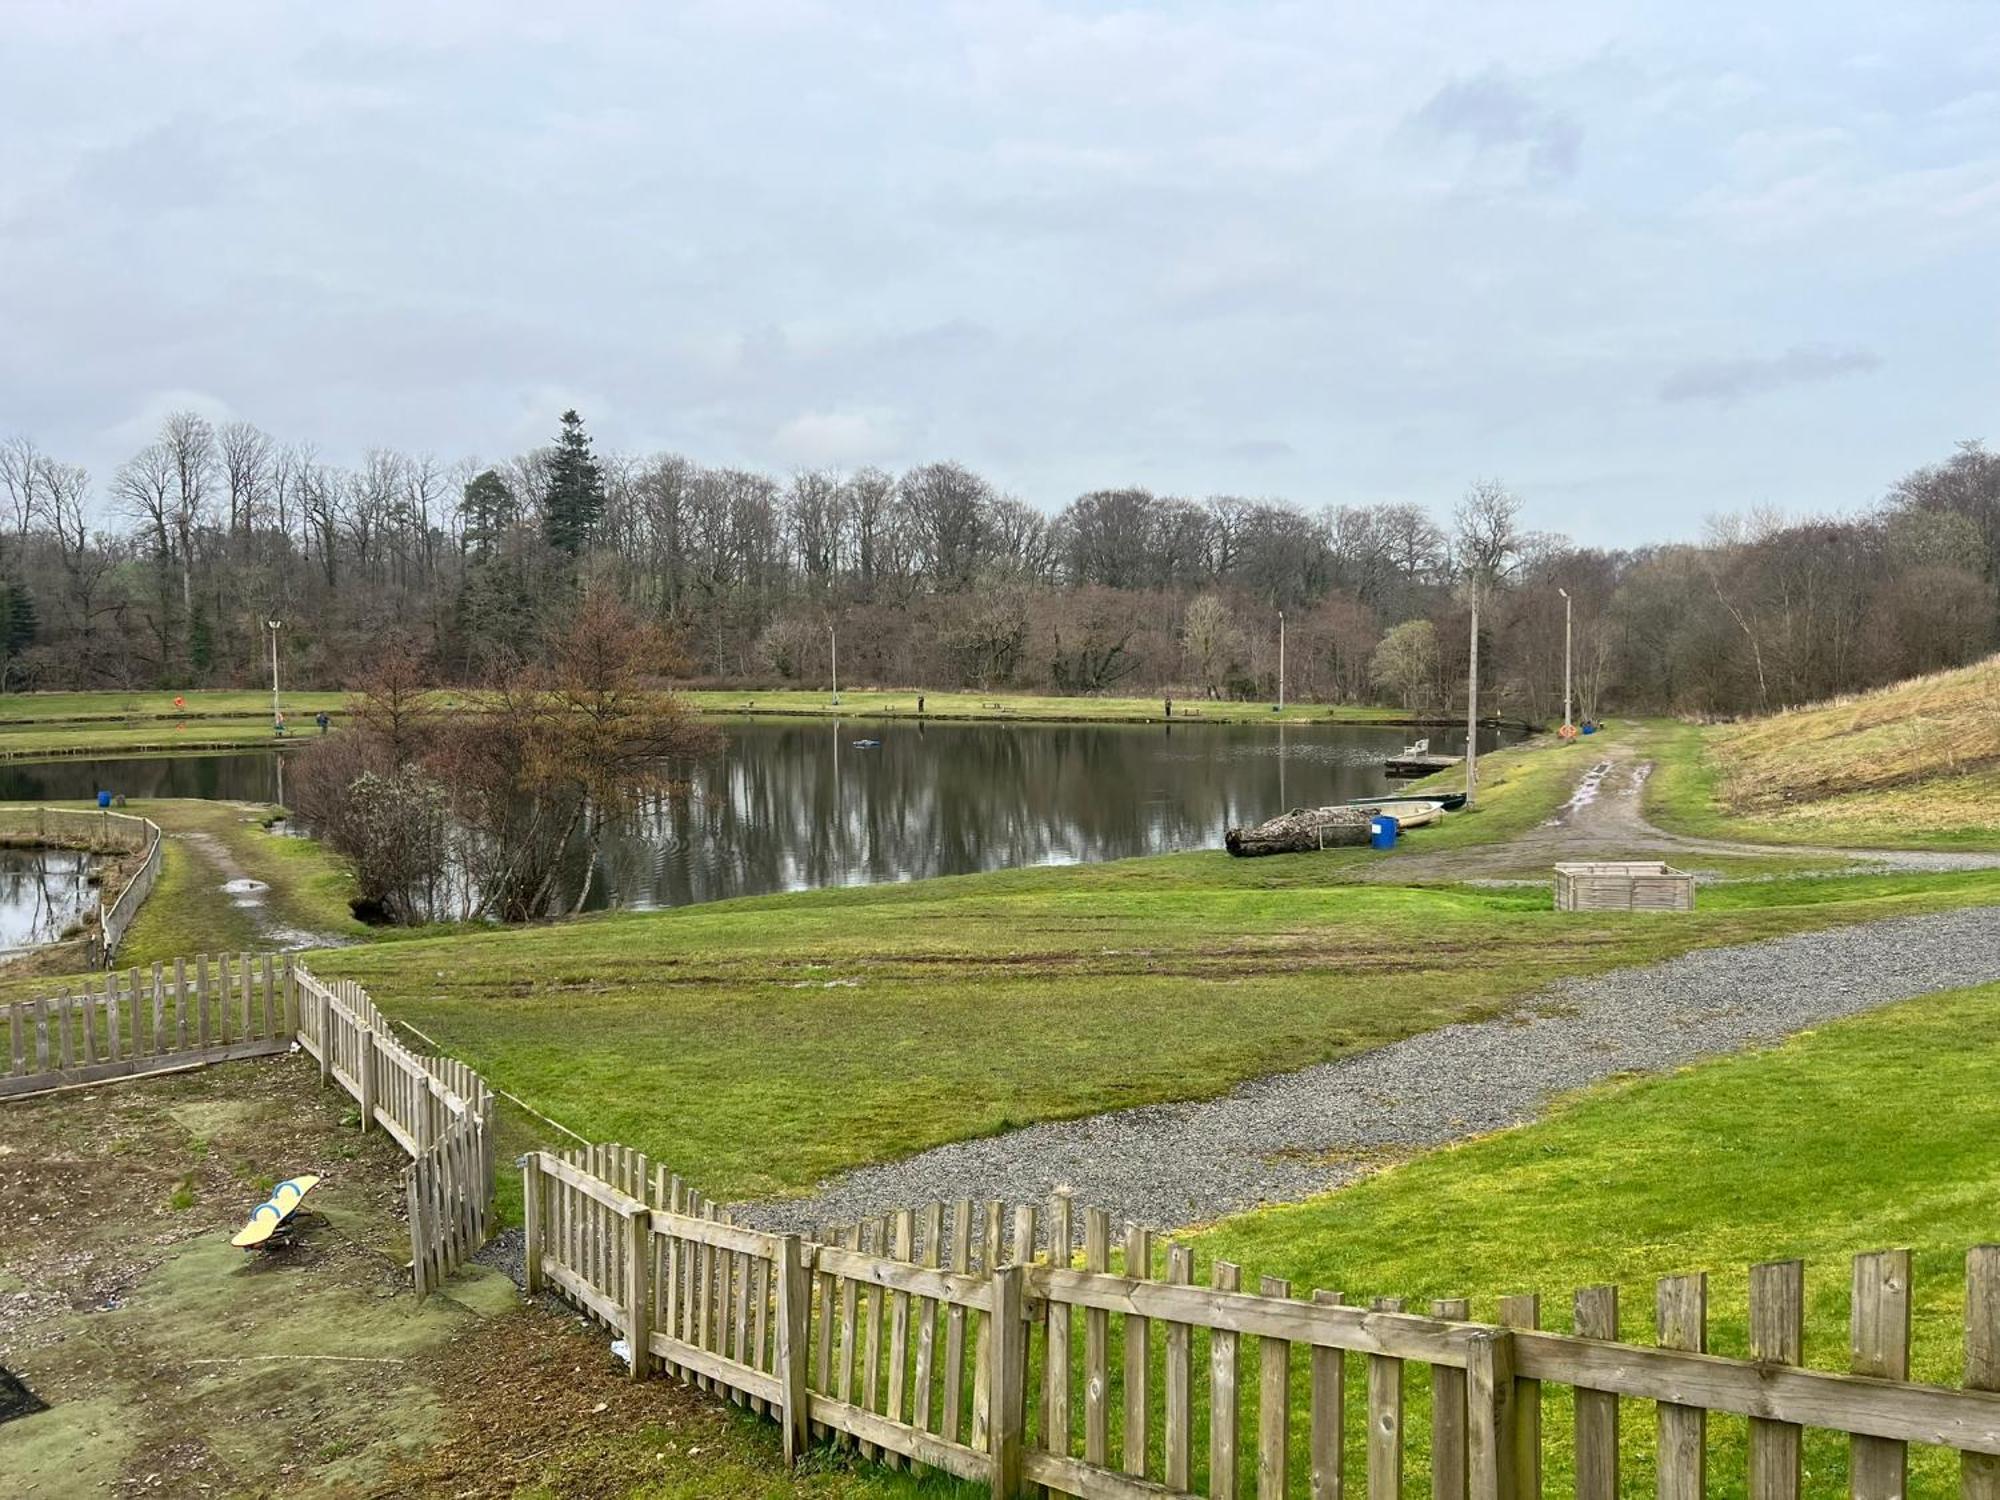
x,y
364,1050
419,1232
531,1226
1489,1409
1006,1383
639,1287
794,1309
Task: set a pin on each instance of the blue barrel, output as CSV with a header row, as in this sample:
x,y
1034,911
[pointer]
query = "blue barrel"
x,y
1382,832
104,799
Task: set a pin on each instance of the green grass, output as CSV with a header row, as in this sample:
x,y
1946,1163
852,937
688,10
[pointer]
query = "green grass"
x,y
1686,795
149,711
1816,1149
757,1045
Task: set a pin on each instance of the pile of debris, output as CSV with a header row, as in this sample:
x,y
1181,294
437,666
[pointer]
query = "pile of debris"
x,y
1301,829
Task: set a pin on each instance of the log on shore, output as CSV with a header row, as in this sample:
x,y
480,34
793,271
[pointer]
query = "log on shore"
x,y
1302,829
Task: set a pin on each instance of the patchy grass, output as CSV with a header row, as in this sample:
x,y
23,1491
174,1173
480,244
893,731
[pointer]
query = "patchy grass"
x,y
203,708
1697,789
1915,765
175,1364
1637,1180
759,1045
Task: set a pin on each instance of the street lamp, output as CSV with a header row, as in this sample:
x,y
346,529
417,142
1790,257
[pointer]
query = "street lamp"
x,y
1281,662
1566,618
277,714
833,648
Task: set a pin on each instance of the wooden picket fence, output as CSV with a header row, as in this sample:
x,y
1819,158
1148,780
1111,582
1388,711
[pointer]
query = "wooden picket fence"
x,y
956,1340
101,831
132,1022
436,1108
193,1012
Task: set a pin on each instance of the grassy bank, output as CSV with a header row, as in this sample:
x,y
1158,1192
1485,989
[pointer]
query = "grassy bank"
x,y
210,712
1693,791
759,1045
1694,1171
1914,765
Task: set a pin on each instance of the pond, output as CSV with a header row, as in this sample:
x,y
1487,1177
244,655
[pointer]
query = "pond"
x,y
794,804
42,892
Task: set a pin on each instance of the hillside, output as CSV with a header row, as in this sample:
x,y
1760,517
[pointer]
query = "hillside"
x,y
1916,762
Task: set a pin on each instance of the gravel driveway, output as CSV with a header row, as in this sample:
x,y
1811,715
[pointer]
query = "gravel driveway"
x,y
1270,1141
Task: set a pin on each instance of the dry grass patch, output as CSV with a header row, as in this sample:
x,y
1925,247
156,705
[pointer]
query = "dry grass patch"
x,y
1946,724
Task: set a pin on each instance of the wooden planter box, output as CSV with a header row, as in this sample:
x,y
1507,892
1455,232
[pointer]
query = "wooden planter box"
x,y
1642,886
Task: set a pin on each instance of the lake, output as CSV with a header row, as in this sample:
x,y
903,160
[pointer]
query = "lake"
x,y
42,891
793,804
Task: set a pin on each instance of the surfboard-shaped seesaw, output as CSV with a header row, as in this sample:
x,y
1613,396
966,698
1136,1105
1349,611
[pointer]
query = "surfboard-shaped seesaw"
x,y
273,1211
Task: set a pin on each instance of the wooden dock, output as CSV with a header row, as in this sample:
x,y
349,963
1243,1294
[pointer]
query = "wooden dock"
x,y
1419,765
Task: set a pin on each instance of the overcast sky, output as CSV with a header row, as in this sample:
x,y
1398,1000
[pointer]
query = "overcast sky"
x,y
1643,262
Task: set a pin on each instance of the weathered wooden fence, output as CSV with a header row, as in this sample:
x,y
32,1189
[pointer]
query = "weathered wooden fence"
x,y
436,1108
102,831
958,1341
135,1021
193,1012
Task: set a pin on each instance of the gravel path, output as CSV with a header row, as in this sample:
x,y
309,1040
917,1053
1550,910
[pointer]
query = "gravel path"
x,y
1282,1138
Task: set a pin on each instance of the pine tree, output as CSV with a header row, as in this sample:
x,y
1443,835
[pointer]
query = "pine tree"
x,y
489,512
575,499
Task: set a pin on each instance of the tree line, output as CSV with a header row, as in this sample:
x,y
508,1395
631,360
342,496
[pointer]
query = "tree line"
x,y
164,574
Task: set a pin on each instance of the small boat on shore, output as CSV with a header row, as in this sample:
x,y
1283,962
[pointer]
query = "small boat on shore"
x,y
1448,801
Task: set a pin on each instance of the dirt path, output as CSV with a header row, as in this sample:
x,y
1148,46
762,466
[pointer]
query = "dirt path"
x,y
1604,819
250,896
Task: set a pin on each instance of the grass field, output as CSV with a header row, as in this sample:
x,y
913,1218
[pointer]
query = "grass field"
x,y
758,1045
207,711
1695,1171
1914,765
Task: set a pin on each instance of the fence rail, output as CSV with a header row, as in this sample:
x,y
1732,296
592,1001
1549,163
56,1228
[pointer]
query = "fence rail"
x,y
436,1108
134,1022
974,1344
100,831
193,1012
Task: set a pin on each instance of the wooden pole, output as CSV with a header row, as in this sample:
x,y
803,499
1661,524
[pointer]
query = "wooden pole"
x,y
531,1225
794,1312
639,1288
1472,710
1007,1350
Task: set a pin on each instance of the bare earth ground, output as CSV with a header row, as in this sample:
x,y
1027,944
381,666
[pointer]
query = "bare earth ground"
x,y
174,1364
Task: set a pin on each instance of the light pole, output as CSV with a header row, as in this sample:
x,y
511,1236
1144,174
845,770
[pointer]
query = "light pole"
x,y
277,714
1472,708
1281,661
1566,616
833,650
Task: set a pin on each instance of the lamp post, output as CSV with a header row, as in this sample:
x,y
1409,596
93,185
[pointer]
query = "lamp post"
x,y
833,650
277,714
1472,707
1566,616
1281,661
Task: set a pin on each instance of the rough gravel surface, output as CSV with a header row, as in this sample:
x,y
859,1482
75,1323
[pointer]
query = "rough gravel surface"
x,y
1285,1137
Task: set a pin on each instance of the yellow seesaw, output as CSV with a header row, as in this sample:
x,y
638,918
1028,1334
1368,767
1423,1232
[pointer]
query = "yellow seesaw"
x,y
273,1211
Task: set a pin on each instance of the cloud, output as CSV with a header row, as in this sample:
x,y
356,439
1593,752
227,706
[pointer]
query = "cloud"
x,y
840,438
1729,380
1494,114
1259,450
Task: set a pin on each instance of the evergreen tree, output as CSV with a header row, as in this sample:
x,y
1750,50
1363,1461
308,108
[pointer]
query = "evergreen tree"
x,y
575,499
490,512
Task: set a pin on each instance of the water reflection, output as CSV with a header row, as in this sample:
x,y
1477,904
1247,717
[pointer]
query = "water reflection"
x,y
793,804
42,892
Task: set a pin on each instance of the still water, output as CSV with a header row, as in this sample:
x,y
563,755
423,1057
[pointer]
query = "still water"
x,y
795,804
42,891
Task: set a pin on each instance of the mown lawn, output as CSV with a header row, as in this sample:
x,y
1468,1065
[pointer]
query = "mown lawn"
x,y
759,1045
1869,1134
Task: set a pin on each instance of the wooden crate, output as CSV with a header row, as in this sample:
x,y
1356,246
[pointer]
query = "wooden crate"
x,y
1646,885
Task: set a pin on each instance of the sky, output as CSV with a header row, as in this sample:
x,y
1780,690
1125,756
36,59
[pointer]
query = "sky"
x,y
1644,263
